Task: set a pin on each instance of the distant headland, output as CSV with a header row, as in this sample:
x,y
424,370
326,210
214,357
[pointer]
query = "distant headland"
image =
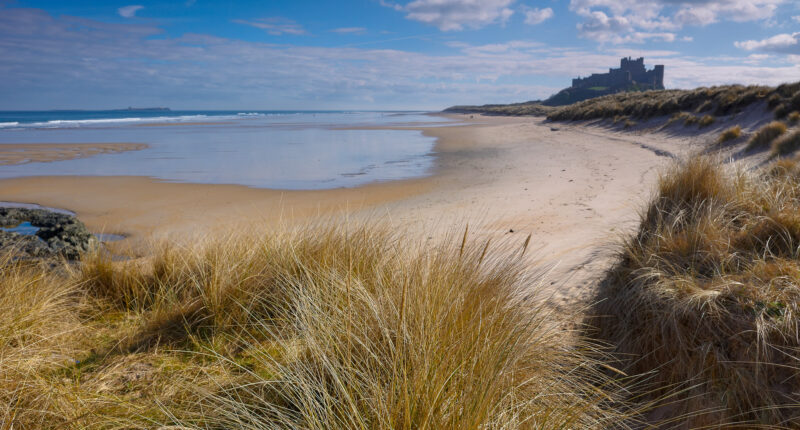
x,y
146,109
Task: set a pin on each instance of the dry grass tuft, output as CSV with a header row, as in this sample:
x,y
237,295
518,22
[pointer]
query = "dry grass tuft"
x,y
705,296
706,120
732,133
39,326
327,327
767,134
443,338
794,117
786,144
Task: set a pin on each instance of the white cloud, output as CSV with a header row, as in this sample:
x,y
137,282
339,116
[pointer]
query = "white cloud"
x,y
350,30
107,62
796,18
454,15
537,16
275,26
632,21
129,11
782,43
394,6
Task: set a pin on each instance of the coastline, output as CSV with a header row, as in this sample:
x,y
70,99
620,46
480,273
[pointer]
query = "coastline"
x,y
573,188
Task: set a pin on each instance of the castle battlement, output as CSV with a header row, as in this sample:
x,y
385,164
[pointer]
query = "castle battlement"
x,y
631,72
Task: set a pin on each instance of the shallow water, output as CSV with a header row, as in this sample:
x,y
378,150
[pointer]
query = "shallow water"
x,y
24,228
284,150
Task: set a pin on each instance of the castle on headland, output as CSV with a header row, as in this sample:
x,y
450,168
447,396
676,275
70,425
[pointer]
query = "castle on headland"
x,y
631,76
631,73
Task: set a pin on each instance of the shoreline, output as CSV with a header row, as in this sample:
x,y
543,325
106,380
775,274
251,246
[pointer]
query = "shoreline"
x,y
100,203
574,188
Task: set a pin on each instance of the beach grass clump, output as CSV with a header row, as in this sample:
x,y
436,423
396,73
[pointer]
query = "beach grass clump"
x,y
786,144
782,111
704,298
793,117
688,119
684,117
335,326
732,133
764,137
705,121
39,335
441,339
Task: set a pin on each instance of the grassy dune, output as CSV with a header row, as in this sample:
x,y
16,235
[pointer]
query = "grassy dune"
x,y
532,108
692,107
714,101
704,299
319,328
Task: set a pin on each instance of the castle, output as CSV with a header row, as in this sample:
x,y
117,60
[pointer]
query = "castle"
x,y
630,73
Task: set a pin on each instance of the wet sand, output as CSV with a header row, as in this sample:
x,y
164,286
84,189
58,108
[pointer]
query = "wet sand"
x,y
574,188
12,153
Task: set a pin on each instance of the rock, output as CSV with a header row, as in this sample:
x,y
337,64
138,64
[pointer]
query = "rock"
x,y
59,235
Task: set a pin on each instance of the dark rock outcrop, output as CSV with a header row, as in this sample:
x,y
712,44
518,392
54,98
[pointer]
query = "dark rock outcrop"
x,y
59,235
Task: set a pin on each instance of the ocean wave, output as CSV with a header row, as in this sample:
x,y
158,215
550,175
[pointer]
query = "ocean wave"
x,y
72,123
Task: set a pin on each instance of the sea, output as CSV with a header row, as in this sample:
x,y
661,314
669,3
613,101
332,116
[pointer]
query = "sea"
x,y
293,150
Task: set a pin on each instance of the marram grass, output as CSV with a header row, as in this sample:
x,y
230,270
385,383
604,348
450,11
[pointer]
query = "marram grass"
x,y
705,296
327,327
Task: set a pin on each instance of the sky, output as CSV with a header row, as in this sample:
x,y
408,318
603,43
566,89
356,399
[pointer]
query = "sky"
x,y
373,54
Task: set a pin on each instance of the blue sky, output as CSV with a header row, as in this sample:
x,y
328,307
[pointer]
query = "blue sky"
x,y
373,54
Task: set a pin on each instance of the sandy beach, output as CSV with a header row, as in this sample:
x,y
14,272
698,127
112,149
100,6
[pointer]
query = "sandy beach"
x,y
11,154
573,188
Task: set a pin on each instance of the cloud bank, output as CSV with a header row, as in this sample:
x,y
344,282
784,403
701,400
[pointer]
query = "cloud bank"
x,y
781,43
613,21
52,62
452,15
